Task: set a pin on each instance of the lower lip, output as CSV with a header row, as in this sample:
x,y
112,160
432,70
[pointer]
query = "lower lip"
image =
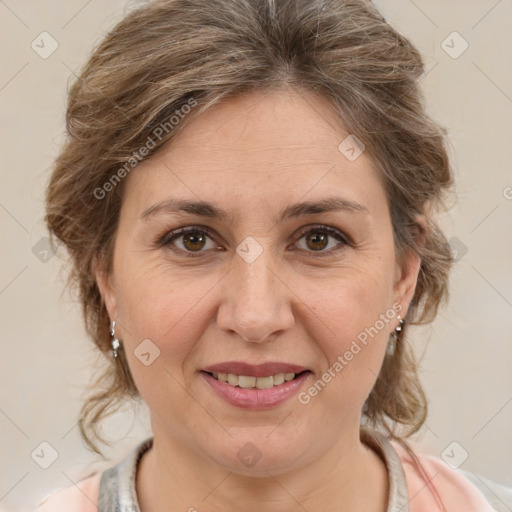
x,y
252,398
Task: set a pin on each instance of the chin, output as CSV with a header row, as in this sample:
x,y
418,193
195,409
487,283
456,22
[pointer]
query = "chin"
x,y
256,455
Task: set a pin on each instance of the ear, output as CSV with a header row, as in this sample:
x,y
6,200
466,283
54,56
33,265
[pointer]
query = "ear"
x,y
105,283
406,275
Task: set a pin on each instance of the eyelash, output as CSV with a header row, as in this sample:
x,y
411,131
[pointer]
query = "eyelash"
x,y
169,237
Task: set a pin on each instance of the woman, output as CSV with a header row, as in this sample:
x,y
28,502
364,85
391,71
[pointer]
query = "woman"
x,y
248,195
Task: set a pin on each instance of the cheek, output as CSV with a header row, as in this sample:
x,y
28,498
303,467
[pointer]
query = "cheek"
x,y
351,323
353,299
161,319
163,305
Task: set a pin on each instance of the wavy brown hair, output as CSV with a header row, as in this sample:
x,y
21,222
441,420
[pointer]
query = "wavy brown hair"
x,y
167,53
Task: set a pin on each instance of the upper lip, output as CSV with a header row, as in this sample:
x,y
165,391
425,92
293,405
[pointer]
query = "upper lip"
x,y
254,370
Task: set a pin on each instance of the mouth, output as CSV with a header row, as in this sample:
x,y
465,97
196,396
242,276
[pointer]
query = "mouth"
x,y
251,381
255,387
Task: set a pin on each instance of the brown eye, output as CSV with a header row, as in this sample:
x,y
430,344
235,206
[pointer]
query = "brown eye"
x,y
317,239
194,241
188,241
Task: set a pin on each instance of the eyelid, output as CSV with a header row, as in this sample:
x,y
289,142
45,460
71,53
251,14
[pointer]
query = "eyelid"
x,y
334,232
169,236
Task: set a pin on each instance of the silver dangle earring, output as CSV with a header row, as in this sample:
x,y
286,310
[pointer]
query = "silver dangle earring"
x,y
115,342
392,341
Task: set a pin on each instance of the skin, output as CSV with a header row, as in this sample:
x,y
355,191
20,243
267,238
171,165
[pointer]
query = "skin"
x,y
252,156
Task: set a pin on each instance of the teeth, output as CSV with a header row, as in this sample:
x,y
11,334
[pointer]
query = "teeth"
x,y
265,382
245,381
278,379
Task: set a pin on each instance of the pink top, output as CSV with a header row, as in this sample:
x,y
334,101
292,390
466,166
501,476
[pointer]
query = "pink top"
x,y
434,488
456,492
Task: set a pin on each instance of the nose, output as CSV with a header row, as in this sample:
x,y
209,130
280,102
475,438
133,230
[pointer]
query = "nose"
x,y
256,302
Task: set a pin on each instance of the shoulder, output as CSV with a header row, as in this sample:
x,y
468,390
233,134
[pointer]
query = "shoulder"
x,y
434,483
80,497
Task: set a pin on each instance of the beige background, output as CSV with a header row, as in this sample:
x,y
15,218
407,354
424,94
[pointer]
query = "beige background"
x,y
47,360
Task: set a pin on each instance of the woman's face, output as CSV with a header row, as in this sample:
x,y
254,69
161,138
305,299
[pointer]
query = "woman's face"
x,y
267,281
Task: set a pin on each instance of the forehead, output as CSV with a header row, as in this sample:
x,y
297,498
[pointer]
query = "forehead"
x,y
287,122
259,145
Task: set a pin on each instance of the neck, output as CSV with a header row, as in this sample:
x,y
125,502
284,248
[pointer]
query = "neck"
x,y
349,476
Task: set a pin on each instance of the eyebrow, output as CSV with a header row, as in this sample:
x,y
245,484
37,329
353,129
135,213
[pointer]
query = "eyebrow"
x,y
206,209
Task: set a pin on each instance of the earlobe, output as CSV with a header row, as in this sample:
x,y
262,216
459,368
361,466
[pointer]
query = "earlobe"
x,y
106,287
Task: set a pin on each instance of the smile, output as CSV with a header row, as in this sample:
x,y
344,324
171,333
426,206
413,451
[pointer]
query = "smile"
x,y
256,393
247,382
